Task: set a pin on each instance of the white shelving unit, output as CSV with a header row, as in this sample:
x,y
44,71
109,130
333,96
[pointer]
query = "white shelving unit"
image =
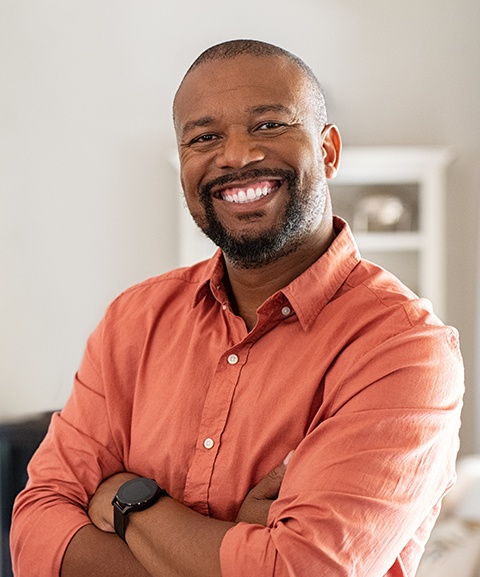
x,y
416,176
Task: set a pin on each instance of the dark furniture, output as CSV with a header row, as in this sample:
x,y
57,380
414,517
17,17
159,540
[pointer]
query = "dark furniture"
x,y
18,441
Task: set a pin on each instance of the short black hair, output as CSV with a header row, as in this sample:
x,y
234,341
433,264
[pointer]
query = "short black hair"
x,y
233,48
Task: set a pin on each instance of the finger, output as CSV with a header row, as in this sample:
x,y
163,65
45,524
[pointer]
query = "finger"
x,y
269,486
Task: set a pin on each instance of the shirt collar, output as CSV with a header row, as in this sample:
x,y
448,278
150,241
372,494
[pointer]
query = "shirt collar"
x,y
314,289
309,292
211,281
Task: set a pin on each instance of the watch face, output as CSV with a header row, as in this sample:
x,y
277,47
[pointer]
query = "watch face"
x,y
137,491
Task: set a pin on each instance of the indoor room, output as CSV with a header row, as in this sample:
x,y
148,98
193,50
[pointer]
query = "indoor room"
x,y
91,202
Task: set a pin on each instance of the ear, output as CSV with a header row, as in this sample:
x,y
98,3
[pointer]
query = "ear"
x,y
331,149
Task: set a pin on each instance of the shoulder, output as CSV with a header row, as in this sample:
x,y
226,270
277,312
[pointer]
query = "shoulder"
x,y
167,296
181,282
378,313
390,343
378,291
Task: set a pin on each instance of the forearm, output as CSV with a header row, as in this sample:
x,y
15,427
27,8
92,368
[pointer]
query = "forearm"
x,y
94,553
168,539
171,540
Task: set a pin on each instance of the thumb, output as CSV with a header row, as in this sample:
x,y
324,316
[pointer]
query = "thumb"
x,y
269,486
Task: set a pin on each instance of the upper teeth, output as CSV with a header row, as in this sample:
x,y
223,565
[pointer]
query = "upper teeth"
x,y
247,195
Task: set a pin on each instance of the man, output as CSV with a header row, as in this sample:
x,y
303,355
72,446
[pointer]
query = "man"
x,y
298,406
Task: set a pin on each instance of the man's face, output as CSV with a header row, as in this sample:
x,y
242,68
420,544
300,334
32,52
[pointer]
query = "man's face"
x,y
251,157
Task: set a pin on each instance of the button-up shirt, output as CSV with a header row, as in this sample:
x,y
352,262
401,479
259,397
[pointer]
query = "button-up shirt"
x,y
345,366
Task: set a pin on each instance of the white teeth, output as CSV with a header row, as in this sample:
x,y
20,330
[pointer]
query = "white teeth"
x,y
249,195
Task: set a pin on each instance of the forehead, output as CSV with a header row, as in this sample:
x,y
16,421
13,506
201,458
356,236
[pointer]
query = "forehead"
x,y
240,83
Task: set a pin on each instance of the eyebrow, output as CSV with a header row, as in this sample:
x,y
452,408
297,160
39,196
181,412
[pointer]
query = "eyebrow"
x,y
262,108
259,109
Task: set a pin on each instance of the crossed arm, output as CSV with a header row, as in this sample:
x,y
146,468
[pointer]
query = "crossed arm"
x,y
167,540
375,462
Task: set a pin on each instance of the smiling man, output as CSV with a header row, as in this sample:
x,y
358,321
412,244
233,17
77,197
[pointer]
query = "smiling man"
x,y
282,409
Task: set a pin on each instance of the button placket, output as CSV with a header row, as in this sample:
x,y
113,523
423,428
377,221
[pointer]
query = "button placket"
x,y
213,421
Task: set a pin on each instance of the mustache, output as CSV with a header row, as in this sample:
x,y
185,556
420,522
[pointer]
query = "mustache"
x,y
251,174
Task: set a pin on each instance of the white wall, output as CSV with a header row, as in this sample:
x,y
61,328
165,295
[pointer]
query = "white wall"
x,y
88,195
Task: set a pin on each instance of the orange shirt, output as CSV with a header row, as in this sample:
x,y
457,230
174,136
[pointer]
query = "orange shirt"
x,y
345,365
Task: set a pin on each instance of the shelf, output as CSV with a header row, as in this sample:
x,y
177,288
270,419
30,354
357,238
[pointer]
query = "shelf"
x,y
392,164
389,241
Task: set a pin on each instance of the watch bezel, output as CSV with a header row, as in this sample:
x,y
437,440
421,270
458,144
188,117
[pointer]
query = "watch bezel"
x,y
151,492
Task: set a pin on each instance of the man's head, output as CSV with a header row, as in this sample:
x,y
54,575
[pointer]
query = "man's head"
x,y
233,48
255,151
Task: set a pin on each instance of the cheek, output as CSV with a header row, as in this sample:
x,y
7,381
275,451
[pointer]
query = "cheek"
x,y
197,212
190,181
194,205
192,172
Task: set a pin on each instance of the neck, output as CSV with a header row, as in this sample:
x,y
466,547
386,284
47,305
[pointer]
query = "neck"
x,y
250,288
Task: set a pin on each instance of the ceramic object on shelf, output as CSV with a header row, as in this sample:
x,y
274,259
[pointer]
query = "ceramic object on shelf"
x,y
381,213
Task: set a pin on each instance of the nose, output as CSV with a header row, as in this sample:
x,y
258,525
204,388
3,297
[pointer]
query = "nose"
x,y
238,149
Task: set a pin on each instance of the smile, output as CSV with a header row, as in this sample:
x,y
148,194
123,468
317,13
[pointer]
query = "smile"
x,y
250,193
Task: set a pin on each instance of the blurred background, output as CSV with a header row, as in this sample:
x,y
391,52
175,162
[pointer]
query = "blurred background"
x,y
89,195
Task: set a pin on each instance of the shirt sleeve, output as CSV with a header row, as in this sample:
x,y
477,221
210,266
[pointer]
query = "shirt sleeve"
x,y
64,473
363,488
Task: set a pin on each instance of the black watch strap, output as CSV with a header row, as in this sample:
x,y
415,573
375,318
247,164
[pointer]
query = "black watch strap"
x,y
119,522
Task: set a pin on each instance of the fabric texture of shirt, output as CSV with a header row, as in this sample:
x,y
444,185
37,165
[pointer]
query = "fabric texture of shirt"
x,y
345,365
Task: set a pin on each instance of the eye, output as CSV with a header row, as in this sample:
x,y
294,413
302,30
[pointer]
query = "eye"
x,y
203,138
270,125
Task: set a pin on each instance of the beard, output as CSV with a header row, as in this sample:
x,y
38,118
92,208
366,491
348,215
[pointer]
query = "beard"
x,y
247,251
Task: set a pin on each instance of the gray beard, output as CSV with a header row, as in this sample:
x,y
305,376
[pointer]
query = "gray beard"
x,y
249,252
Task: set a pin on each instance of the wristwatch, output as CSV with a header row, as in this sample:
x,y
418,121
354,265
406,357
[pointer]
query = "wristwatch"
x,y
134,495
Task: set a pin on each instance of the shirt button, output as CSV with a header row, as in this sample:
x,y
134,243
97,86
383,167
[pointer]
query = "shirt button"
x,y
224,307
232,359
208,443
286,311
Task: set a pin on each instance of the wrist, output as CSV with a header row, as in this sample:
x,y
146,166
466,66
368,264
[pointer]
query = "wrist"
x,y
134,495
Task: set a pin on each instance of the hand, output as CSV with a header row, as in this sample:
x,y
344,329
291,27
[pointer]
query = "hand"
x,y
100,508
257,503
